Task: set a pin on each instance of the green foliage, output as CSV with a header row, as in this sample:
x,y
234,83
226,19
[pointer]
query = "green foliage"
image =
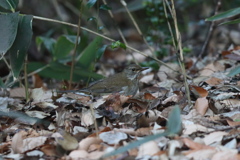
x,y
8,32
174,126
9,5
18,50
234,71
118,44
105,7
224,15
91,3
60,71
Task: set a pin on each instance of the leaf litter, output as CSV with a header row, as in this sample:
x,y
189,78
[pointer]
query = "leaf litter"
x,y
53,126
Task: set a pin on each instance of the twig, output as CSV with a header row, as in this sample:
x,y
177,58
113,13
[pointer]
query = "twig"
x,y
26,81
75,48
119,30
209,35
178,48
137,27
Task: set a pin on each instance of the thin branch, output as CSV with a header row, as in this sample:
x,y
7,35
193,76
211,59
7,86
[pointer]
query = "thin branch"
x,y
209,35
75,48
137,27
119,30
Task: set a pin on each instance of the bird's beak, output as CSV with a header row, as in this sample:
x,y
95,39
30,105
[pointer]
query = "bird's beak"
x,y
144,68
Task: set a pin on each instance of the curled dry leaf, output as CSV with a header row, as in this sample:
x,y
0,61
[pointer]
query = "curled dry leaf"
x,y
232,123
194,145
78,154
201,105
199,91
148,148
213,81
87,142
17,142
214,137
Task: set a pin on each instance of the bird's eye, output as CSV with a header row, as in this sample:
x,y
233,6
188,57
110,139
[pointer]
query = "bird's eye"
x,y
133,69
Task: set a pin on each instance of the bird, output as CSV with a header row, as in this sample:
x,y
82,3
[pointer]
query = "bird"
x,y
125,83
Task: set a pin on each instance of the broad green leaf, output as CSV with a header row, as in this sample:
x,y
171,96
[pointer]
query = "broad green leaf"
x,y
105,7
91,3
174,120
8,31
100,52
234,71
89,55
20,46
231,22
174,124
9,4
59,71
224,15
63,47
47,42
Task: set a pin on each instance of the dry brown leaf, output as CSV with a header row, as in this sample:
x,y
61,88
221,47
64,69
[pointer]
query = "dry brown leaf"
x,y
232,123
17,92
78,154
95,155
49,149
38,82
228,155
149,148
213,81
200,154
17,142
201,105
87,142
198,91
214,137
116,101
149,96
194,145
143,132
33,142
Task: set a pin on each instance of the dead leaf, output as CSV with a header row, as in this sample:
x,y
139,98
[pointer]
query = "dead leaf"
x,y
198,91
201,105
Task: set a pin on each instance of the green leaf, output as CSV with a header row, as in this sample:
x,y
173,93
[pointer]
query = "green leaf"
x,y
63,46
8,31
89,55
59,71
2,85
105,7
174,120
9,4
91,19
226,14
118,44
174,124
91,3
20,46
100,52
47,42
231,22
234,71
